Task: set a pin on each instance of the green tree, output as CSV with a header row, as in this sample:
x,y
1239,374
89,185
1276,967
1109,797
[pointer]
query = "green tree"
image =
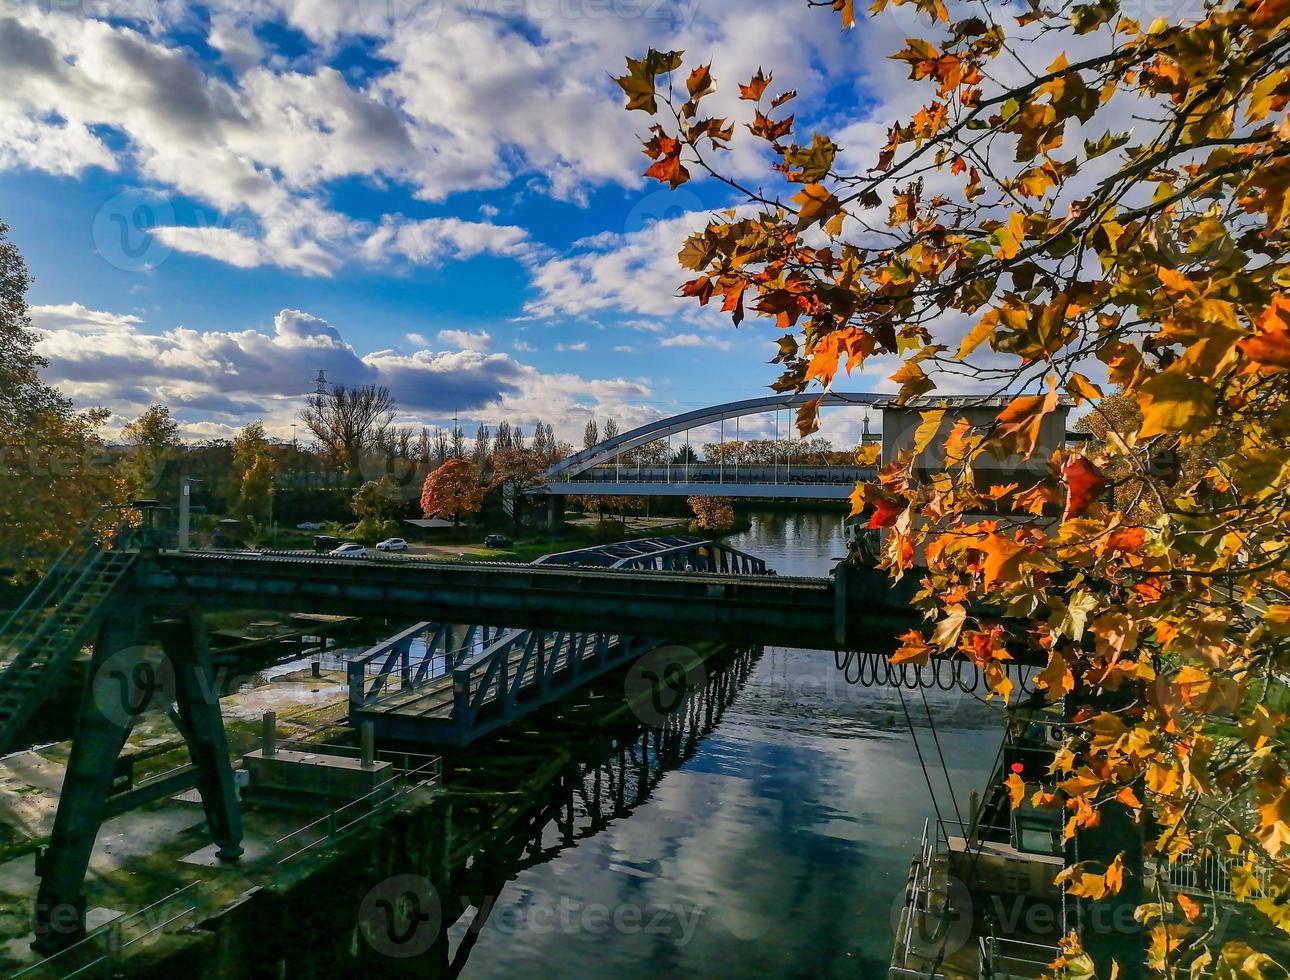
x,y
255,468
54,467
154,437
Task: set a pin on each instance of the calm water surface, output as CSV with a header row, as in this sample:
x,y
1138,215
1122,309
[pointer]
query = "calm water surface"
x,y
780,849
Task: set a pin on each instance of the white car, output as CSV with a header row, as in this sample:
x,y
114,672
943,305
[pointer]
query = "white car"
x,y
311,526
392,544
349,549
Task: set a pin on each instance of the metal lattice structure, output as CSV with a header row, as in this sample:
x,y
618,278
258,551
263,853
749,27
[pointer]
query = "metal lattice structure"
x,y
443,684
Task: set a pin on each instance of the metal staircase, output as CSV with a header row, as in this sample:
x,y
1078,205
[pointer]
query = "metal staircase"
x,y
43,635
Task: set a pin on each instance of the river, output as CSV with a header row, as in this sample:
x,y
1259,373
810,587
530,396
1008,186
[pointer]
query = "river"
x,y
778,849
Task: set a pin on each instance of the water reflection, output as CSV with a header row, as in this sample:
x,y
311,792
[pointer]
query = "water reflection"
x,y
779,847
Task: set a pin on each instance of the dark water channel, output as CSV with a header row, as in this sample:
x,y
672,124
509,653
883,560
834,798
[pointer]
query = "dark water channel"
x,y
776,847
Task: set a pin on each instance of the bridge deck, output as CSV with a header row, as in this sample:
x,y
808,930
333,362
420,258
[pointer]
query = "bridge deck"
x,y
444,710
747,609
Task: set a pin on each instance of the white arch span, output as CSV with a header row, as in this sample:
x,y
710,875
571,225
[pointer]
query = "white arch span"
x,y
605,452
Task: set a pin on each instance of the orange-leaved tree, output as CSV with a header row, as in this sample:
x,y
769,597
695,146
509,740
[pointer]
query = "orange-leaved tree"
x,y
712,513
452,490
1081,201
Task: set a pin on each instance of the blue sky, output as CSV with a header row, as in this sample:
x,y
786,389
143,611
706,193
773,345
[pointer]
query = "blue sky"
x,y
219,200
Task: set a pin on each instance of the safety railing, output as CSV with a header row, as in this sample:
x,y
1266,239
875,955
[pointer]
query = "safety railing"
x,y
416,772
1211,873
1013,958
421,653
106,946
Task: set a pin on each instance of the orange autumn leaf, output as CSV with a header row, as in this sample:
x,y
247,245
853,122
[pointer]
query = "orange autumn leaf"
x,y
1002,559
1084,484
1018,425
1016,789
1190,907
1270,347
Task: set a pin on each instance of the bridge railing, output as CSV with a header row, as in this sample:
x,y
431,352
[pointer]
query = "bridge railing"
x,y
674,553
739,475
408,659
526,664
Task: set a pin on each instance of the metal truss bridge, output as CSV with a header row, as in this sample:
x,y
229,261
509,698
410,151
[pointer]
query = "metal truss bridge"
x,y
445,684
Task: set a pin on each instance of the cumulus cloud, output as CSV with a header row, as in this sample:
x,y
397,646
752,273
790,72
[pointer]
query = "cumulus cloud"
x,y
578,347
466,340
469,96
218,378
693,340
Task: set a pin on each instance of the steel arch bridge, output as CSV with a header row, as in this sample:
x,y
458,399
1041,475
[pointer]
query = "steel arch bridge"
x,y
598,471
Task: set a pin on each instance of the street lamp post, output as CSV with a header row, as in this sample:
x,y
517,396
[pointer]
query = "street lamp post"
x,y
185,508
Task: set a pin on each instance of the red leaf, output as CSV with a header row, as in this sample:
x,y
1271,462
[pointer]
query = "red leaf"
x,y
670,170
886,512
1084,484
1126,539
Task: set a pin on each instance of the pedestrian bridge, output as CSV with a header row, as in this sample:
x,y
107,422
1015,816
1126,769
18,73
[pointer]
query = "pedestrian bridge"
x,y
614,468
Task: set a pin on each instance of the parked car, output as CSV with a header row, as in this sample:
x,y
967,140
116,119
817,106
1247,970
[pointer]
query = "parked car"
x,y
350,549
311,526
497,541
324,543
392,544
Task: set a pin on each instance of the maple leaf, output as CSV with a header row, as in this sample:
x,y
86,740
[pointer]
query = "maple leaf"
x,y
913,649
670,170
816,204
1018,426
1056,678
1002,559
1190,907
886,512
1016,789
1270,347
1084,484
1174,403
756,88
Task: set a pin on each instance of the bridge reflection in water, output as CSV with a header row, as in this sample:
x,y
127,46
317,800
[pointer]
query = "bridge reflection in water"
x,y
517,801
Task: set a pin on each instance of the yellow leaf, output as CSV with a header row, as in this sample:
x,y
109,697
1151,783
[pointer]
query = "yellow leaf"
x,y
1016,789
1082,389
1173,403
983,330
927,429
815,204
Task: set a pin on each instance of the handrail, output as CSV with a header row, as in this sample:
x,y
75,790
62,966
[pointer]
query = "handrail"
x,y
55,573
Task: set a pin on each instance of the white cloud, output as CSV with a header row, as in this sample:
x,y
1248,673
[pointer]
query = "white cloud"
x,y
523,346
215,379
465,340
624,349
694,340
476,96
578,347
